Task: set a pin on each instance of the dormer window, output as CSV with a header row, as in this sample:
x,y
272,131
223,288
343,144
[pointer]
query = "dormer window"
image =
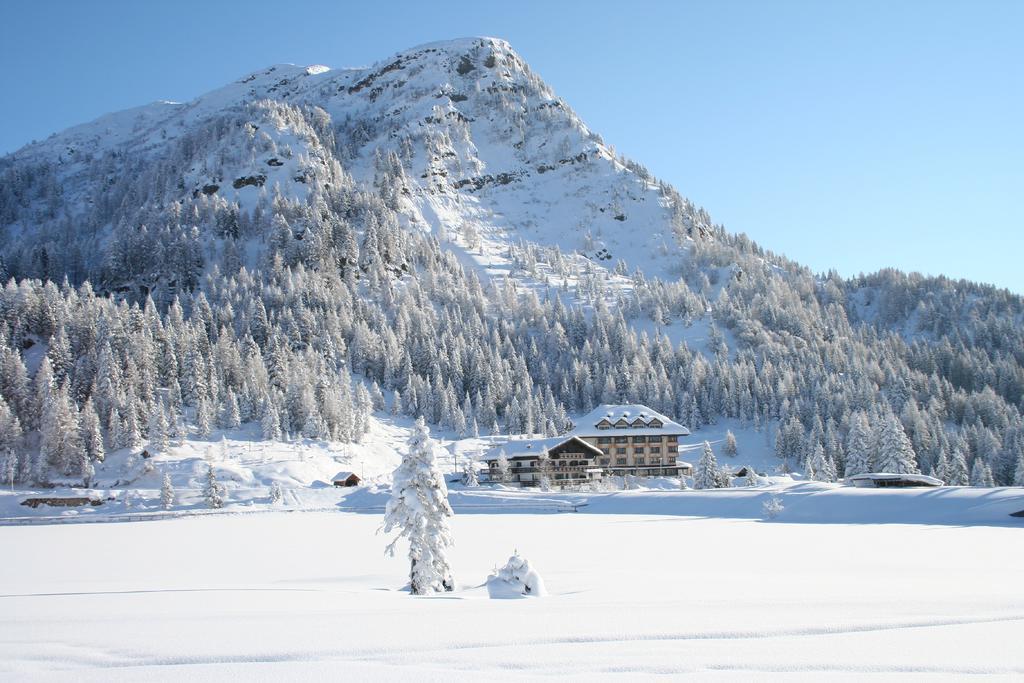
x,y
656,424
604,424
621,424
638,424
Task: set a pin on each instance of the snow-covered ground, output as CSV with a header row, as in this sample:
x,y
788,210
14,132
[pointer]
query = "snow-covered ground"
x,y
311,596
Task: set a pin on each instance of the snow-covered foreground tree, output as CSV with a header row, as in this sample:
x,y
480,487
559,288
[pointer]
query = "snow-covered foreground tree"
x,y
419,510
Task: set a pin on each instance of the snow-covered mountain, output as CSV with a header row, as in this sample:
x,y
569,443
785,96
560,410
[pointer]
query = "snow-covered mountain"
x,y
468,137
445,232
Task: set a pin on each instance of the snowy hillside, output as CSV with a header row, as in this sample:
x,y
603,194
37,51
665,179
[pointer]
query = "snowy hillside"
x,y
480,144
309,257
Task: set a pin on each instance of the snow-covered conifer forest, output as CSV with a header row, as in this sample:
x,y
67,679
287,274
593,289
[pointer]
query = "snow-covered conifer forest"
x,y
303,246
214,306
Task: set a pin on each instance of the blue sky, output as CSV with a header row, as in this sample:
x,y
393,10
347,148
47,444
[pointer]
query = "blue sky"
x,y
853,136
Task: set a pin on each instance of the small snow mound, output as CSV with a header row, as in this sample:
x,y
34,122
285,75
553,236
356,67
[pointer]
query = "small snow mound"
x,y
315,69
516,579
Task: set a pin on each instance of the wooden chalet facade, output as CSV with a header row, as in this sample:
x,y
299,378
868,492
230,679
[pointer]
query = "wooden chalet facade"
x,y
346,479
565,460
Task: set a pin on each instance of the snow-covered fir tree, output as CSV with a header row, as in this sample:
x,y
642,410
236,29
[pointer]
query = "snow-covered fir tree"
x,y
958,472
92,437
729,447
981,474
276,493
270,423
820,467
772,507
859,446
706,475
504,473
158,427
167,496
895,452
418,509
9,467
213,490
544,471
470,478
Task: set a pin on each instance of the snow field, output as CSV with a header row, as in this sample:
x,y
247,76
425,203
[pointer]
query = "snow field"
x,y
312,596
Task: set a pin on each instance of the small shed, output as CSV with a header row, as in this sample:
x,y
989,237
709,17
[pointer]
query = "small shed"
x,y
885,480
346,479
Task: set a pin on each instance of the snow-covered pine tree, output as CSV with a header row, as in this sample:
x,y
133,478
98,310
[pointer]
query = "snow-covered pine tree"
x,y
115,430
231,414
958,473
377,397
10,467
470,478
1018,475
419,510
176,430
730,448
772,507
895,452
544,470
204,417
858,446
706,474
362,410
86,470
396,402
166,492
276,493
92,437
213,491
821,467
11,441
270,423
981,474
60,442
504,468
157,427
942,467
130,415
